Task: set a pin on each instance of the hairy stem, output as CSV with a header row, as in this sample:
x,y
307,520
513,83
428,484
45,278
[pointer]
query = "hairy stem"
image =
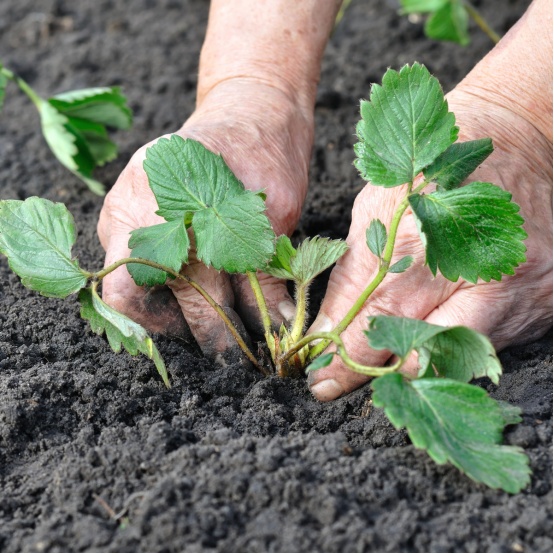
x,y
220,311
260,300
375,282
372,371
481,23
301,307
25,87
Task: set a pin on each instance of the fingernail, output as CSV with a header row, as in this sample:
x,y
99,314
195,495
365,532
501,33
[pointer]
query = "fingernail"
x,y
287,310
326,390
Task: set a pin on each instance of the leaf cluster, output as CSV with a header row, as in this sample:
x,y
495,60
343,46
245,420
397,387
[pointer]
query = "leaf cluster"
x,y
473,232
196,190
75,123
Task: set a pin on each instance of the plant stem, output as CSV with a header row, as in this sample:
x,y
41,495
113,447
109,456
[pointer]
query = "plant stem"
x,y
342,10
220,311
376,281
25,87
300,316
481,23
372,371
260,300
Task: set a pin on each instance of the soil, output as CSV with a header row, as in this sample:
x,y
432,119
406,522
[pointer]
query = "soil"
x,y
225,460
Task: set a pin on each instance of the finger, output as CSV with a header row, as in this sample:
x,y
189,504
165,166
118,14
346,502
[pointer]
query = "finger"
x,y
210,331
336,379
280,305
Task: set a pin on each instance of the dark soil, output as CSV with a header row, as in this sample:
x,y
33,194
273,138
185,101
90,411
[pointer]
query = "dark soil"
x,y
225,460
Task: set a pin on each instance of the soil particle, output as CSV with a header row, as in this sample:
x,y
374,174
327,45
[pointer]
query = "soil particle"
x,y
96,455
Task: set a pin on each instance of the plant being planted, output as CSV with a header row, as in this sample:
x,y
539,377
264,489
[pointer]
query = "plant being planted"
x,y
74,125
448,19
406,138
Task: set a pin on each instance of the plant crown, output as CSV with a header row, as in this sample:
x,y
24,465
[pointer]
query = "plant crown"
x,y
406,138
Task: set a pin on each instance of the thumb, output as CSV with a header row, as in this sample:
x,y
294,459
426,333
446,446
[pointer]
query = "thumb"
x,y
343,290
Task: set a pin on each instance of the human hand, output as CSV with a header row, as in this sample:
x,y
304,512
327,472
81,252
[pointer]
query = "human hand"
x,y
515,310
265,137
508,97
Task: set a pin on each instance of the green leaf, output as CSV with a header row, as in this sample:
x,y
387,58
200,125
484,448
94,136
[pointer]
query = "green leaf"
x,y
458,353
312,257
120,330
461,353
73,125
235,235
321,362
473,232
399,335
457,163
68,145
37,236
279,266
376,237
401,265
315,255
450,22
457,423
103,105
166,244
421,6
231,229
3,83
405,126
102,149
186,177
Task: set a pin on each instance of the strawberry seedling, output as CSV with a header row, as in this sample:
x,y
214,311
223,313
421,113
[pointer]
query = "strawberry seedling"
x,y
74,125
407,138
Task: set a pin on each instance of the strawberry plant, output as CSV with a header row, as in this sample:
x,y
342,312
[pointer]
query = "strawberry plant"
x,y
448,19
74,124
407,138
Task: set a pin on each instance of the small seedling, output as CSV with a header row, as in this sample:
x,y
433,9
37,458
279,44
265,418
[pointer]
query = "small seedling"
x,y
448,19
74,125
406,139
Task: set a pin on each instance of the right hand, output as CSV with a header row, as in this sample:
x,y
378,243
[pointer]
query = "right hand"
x,y
266,140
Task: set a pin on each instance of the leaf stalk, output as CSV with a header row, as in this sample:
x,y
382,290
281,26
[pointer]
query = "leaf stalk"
x,y
301,307
481,22
23,85
376,281
260,300
332,337
220,311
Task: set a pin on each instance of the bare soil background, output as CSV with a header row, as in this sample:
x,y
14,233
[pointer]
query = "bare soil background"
x,y
225,460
